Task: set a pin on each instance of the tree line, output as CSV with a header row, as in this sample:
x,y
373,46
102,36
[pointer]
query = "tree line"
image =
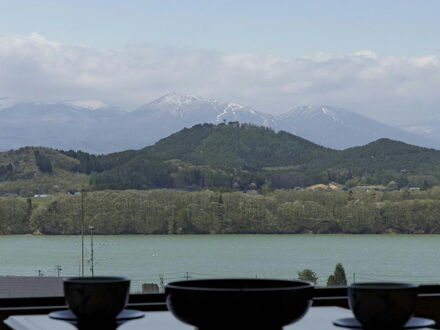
x,y
210,212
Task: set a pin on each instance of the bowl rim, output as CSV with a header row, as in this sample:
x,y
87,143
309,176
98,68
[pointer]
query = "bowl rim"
x,y
96,279
175,285
382,286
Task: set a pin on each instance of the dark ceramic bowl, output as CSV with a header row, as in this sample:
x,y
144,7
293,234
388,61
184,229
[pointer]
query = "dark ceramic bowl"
x,y
382,305
238,303
96,298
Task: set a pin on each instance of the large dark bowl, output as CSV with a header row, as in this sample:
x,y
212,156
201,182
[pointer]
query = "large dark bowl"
x,y
96,298
239,303
382,305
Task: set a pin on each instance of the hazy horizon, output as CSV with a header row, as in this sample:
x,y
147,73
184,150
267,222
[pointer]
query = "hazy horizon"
x,y
378,59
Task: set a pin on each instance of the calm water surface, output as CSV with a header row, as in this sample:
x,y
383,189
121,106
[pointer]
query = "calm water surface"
x,y
144,258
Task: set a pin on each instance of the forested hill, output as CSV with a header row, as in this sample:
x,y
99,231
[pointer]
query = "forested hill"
x,y
227,156
36,170
236,145
383,161
32,161
235,156
207,155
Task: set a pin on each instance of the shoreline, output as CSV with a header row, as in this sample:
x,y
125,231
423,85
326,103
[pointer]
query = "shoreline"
x,y
230,234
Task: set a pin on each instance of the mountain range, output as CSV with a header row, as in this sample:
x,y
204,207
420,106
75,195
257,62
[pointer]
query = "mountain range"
x,y
96,127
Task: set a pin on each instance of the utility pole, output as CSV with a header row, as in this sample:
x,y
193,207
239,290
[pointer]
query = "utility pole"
x,y
82,232
92,268
40,273
161,284
59,269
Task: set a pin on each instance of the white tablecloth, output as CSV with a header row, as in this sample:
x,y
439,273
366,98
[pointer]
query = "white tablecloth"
x,y
317,318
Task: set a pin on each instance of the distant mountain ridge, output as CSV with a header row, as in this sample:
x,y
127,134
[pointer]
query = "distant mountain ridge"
x,y
341,129
95,127
427,129
58,125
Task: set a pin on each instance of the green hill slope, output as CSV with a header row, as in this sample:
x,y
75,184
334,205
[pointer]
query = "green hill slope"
x,y
236,145
37,170
28,162
209,156
234,154
383,161
388,154
225,156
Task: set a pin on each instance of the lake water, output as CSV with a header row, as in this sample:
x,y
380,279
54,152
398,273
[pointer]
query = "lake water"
x,y
413,258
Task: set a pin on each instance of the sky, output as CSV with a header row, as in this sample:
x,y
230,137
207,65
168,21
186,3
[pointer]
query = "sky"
x,y
378,58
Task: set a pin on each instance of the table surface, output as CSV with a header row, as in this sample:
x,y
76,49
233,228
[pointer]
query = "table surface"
x,y
317,318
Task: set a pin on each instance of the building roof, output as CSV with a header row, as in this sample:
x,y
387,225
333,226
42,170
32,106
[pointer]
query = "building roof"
x,y
30,286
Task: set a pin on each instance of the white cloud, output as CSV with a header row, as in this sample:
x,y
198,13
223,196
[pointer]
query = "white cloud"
x,y
390,88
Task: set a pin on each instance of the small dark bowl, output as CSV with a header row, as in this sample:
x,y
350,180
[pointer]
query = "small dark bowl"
x,y
96,298
382,305
239,303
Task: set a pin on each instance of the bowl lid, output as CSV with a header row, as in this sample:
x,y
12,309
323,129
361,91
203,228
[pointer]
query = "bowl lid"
x,y
239,285
382,286
96,279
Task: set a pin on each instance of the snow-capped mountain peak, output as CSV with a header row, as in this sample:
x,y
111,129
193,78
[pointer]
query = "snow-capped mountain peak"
x,y
178,99
190,110
86,124
313,110
179,105
184,106
88,104
6,102
330,112
72,104
339,128
237,112
233,107
318,112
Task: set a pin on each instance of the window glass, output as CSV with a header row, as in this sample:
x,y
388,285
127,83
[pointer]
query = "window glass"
x,y
187,139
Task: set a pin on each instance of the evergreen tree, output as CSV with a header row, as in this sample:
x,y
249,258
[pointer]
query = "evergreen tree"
x,y
338,277
331,281
6,172
43,163
29,207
